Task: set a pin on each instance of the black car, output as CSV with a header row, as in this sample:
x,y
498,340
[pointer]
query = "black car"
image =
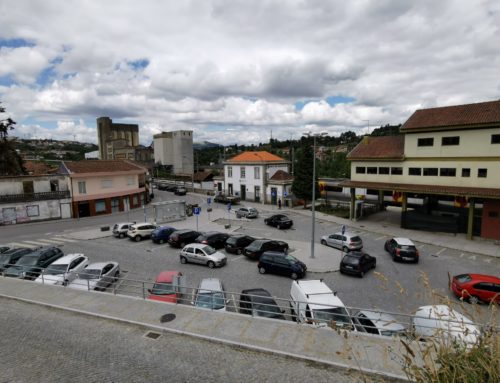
x,y
282,264
237,243
213,238
257,247
180,190
181,238
171,187
357,263
3,249
10,257
30,266
402,249
280,221
258,302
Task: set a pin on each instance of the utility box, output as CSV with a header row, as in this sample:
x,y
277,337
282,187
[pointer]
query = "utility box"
x,y
169,211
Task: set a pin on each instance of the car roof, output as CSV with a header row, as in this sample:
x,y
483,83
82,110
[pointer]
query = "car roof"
x,y
260,292
484,278
67,259
347,234
126,223
213,284
98,265
383,321
167,276
404,241
142,223
40,250
183,231
197,245
318,292
441,312
357,254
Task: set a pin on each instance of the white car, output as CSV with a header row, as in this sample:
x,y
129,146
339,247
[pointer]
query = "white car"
x,y
139,231
63,270
203,254
345,242
247,212
211,295
120,229
96,276
377,323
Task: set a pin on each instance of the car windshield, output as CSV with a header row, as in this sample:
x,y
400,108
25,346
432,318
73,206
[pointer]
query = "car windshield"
x,y
337,314
407,248
231,241
4,259
351,260
255,245
90,274
209,250
210,301
28,261
291,258
163,289
56,269
355,239
463,278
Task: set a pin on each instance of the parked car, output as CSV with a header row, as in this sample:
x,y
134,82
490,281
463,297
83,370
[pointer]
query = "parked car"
x,y
476,288
345,242
162,234
260,303
211,295
259,246
171,187
445,326
236,244
167,287
377,323
180,190
10,257
247,212
181,238
63,270
280,221
3,249
30,266
402,249
203,254
120,229
97,276
140,231
223,198
213,238
357,263
282,264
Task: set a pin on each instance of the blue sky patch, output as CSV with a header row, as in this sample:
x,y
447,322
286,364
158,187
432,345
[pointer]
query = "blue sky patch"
x,y
6,80
138,64
331,100
15,43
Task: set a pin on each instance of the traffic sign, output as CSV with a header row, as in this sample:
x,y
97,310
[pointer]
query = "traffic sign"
x,y
209,200
273,194
197,210
228,206
285,194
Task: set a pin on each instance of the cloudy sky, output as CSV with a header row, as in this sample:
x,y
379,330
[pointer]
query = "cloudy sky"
x,y
233,71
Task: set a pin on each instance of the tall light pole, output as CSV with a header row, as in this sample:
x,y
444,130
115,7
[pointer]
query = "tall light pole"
x,y
313,223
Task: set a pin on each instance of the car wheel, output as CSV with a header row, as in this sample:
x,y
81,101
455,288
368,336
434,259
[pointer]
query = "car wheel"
x,y
138,238
473,300
239,251
323,242
262,270
210,264
121,235
278,226
266,222
374,265
294,276
161,241
184,260
361,274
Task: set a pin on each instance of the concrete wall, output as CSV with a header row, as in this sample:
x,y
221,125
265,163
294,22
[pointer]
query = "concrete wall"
x,y
22,212
176,149
41,184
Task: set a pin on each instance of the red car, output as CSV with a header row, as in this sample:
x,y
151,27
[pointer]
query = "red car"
x,y
476,288
167,287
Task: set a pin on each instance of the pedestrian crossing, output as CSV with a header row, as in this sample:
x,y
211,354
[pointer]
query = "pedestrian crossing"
x,y
52,241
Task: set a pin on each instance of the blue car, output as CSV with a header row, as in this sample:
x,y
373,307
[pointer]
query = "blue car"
x,y
162,234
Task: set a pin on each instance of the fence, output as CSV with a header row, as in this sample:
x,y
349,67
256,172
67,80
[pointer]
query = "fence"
x,y
26,197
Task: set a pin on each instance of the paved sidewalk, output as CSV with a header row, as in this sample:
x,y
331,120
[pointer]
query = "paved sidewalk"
x,y
361,352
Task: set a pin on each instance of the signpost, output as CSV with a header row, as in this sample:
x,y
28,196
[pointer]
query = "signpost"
x,y
196,212
209,209
343,232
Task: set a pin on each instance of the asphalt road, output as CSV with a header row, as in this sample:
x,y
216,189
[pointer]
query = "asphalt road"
x,y
394,287
59,346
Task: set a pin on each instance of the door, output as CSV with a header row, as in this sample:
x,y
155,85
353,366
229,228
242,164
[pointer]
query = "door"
x,y
274,196
230,189
257,193
281,266
83,209
200,256
115,205
243,192
219,186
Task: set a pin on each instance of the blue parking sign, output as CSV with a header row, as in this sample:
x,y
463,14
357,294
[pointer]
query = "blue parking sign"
x,y
285,194
197,210
209,200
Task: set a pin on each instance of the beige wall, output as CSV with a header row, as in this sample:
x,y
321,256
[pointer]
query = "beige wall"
x,y
95,189
473,143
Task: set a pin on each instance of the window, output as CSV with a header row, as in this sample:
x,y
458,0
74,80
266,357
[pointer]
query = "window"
x,y
130,180
106,184
32,211
54,185
383,170
360,170
371,170
448,141
495,138
100,206
430,171
465,172
242,172
230,171
415,171
82,188
397,171
256,172
482,173
447,172
425,141
28,187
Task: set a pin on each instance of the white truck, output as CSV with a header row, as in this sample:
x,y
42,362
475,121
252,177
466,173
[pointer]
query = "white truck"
x,y
313,302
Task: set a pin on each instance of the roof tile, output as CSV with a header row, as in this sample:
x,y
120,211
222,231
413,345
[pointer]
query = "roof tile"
x,y
101,166
281,175
252,157
388,147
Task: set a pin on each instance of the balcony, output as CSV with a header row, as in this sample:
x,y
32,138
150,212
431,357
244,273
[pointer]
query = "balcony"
x,y
27,197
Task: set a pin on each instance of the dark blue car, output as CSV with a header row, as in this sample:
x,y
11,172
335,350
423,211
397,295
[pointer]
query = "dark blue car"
x,y
162,234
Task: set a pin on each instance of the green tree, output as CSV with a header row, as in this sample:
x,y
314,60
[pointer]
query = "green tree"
x,y
10,162
303,172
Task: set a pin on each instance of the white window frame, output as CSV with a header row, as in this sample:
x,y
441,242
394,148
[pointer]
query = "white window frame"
x,y
130,180
242,172
256,172
82,187
229,172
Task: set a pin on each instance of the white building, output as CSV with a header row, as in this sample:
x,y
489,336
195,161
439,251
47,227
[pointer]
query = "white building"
x,y
175,149
251,176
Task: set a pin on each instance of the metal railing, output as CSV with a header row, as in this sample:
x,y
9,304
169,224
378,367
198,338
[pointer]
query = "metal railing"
x,y
369,321
26,197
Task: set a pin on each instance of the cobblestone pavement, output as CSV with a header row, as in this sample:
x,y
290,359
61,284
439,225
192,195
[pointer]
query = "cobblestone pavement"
x,y
58,346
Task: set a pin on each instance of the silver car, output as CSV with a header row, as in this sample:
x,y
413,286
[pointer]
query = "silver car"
x,y
247,212
120,229
96,276
345,242
378,323
203,254
210,295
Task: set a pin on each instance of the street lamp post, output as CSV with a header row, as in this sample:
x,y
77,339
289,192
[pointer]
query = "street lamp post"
x,y
313,223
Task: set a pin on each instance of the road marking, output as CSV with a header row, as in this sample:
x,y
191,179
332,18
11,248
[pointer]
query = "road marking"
x,y
462,255
239,257
20,244
66,239
422,246
37,243
488,260
50,241
379,238
440,251
473,257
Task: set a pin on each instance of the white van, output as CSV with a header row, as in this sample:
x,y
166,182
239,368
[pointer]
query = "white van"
x,y
445,325
313,302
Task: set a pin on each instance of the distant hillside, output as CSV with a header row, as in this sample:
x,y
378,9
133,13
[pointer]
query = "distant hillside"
x,y
205,145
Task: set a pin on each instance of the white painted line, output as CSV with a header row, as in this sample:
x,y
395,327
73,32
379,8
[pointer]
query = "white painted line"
x,y
239,257
66,239
421,246
487,260
20,244
462,255
473,257
50,241
440,251
379,238
37,243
